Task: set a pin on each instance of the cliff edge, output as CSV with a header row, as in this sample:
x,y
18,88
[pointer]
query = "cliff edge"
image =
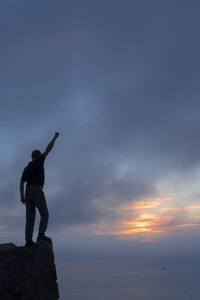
x,y
28,273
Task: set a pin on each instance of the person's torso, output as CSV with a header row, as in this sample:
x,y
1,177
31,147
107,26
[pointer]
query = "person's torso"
x,y
34,173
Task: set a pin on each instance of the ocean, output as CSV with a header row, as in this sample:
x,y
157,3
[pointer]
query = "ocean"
x,y
133,279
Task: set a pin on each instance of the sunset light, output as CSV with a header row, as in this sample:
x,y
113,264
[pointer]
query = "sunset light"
x,y
151,218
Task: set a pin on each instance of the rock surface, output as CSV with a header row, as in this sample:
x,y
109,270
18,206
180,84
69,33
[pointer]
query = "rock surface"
x,y
28,273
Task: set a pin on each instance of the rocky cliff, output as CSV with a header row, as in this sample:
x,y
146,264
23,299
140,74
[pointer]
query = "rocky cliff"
x,y
28,273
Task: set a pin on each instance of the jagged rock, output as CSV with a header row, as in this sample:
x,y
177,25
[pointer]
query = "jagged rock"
x,y
28,273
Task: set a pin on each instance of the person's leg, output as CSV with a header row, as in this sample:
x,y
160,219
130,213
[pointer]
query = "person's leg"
x,y
30,220
43,210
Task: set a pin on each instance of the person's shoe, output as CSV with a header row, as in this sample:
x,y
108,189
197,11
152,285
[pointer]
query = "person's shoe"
x,y
29,244
43,238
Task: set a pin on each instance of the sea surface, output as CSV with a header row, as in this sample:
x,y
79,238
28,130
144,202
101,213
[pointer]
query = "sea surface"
x,y
133,279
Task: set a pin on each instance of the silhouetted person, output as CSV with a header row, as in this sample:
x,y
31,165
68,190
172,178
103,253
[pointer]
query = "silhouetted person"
x,y
34,177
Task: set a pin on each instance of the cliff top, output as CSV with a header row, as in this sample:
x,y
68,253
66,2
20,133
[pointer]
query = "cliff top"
x,y
28,272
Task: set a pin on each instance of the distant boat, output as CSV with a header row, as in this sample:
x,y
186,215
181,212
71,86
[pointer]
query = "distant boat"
x,y
164,268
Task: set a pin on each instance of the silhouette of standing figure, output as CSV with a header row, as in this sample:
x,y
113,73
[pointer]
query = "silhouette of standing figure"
x,y
34,176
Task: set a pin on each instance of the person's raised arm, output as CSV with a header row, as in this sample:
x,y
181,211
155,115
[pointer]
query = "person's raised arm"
x,y
51,144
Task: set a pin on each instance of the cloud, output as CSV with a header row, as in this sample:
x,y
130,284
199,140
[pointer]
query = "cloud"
x,y
181,208
150,222
120,82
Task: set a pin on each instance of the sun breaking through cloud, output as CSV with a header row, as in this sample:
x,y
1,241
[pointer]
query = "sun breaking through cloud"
x,y
149,218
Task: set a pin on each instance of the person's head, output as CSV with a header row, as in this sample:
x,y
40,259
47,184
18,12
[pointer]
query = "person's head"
x,y
35,154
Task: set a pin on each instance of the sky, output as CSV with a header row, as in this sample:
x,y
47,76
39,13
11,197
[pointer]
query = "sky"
x,y
120,81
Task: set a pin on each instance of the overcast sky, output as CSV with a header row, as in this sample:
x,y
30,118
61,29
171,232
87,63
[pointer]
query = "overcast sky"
x,y
120,81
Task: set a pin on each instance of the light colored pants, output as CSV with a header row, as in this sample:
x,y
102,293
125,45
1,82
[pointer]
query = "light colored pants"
x,y
35,198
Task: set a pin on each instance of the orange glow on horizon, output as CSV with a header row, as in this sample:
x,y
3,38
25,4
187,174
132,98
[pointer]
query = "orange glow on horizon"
x,y
146,218
180,208
149,241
